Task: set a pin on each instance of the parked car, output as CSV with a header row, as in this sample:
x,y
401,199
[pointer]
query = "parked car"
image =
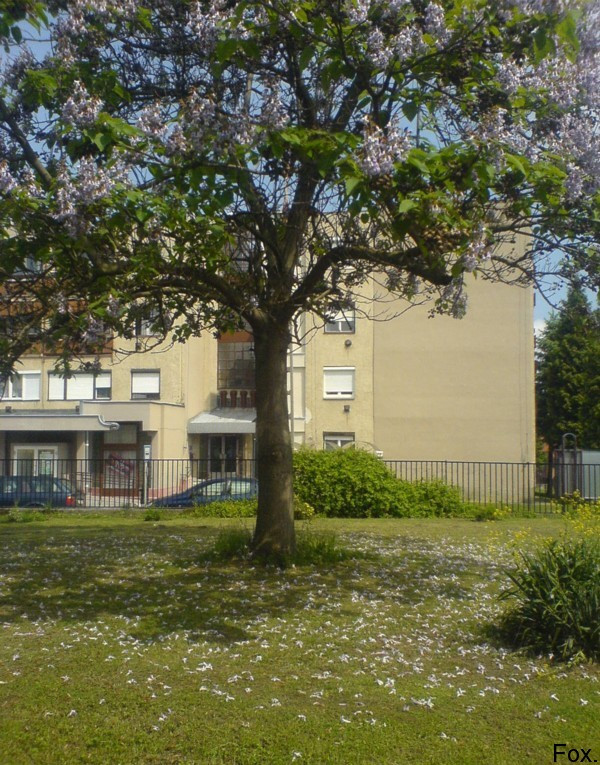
x,y
212,490
35,491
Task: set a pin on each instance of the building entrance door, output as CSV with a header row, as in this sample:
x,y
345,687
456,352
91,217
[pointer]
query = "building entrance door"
x,y
223,454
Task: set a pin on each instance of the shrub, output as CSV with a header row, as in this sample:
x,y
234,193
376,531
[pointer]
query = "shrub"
x,y
152,515
555,599
231,543
24,515
302,510
349,483
435,498
226,508
489,512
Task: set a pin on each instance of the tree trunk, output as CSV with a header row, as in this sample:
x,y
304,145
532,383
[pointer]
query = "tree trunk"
x,y
274,535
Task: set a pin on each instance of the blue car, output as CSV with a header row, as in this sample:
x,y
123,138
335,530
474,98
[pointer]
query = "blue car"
x,y
212,490
35,491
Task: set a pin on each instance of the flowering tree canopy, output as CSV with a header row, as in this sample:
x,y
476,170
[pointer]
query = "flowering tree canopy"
x,y
227,163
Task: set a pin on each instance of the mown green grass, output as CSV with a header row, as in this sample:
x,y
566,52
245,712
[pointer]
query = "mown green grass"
x,y
122,642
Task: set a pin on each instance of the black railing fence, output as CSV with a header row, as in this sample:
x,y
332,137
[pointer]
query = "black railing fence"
x,y
119,482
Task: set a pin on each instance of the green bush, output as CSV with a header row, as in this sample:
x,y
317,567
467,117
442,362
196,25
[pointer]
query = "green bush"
x,y
227,508
350,483
555,599
437,499
152,515
244,508
24,515
302,510
231,544
489,512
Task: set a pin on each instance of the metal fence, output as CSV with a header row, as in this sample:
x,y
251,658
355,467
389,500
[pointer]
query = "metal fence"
x,y
115,482
525,485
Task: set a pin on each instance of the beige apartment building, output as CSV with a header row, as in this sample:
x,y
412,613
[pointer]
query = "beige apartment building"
x,y
410,387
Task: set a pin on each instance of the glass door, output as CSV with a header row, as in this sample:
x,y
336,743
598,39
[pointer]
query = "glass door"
x,y
222,454
34,460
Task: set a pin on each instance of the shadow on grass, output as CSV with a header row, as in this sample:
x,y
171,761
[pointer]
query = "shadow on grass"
x,y
161,580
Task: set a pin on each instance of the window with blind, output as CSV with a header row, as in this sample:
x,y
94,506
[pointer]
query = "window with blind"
x,y
342,322
145,384
21,386
338,382
80,386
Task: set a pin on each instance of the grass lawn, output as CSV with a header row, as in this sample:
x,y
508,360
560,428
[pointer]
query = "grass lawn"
x,y
121,644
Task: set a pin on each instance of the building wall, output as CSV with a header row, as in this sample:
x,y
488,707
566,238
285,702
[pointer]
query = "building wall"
x,y
424,388
187,386
458,389
354,415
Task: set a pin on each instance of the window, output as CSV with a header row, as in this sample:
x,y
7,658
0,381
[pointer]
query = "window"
x,y
145,384
332,441
145,326
235,366
21,386
338,382
80,386
344,321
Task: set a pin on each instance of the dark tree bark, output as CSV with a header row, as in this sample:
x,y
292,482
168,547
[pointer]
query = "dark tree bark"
x,y
274,536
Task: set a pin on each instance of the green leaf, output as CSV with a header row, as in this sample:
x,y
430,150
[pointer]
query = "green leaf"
x,y
351,183
306,56
542,44
225,49
567,31
416,160
517,163
38,87
406,205
17,34
410,110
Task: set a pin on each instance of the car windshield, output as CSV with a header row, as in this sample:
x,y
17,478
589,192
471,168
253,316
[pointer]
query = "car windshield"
x,y
214,489
241,486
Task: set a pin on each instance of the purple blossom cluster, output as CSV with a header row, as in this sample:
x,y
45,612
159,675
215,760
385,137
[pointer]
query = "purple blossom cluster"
x,y
379,53
381,150
14,70
273,112
478,250
151,121
86,185
435,23
7,181
453,300
358,10
205,25
81,109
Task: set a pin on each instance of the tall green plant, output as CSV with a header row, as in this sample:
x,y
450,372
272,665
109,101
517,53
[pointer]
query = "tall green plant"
x,y
555,599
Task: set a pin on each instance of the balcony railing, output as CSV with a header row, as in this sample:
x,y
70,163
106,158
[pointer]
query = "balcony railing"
x,y
237,398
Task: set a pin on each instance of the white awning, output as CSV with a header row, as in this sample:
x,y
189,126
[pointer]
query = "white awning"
x,y
32,421
224,421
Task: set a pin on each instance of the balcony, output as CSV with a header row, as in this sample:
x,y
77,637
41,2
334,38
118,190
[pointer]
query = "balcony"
x,y
237,398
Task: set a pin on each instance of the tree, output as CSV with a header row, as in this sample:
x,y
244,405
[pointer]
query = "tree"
x,y
568,374
223,163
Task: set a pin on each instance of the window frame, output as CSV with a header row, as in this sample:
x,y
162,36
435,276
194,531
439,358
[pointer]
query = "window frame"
x,y
339,394
334,325
7,393
65,381
349,438
144,395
